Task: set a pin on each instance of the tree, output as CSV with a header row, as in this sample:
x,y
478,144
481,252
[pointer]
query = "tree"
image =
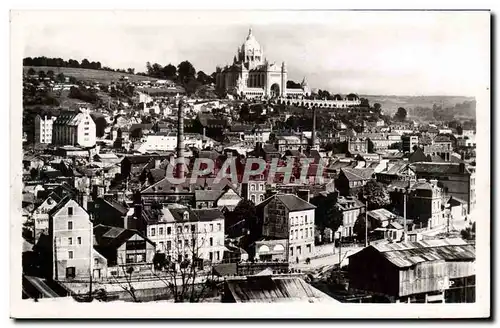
x,y
364,102
185,72
85,63
31,71
377,107
41,74
328,213
201,77
170,72
60,78
245,211
359,226
375,194
469,233
400,114
191,86
130,70
100,126
182,269
460,130
50,74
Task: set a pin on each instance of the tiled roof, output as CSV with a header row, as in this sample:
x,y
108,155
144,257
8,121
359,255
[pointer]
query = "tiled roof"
x,y
207,195
438,168
357,174
294,203
113,237
69,118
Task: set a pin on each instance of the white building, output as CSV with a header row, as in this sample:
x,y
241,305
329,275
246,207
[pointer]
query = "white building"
x,y
43,129
180,233
71,234
74,128
168,142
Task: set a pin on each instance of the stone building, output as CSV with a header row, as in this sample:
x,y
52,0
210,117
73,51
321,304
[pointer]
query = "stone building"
x,y
252,76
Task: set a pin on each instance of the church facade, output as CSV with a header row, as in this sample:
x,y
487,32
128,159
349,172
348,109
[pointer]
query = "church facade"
x,y
252,76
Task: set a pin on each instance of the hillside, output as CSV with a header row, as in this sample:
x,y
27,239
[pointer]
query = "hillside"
x,y
83,74
390,104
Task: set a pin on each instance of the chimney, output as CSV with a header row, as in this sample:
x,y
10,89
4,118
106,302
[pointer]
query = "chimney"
x,y
157,163
434,182
461,168
180,137
313,136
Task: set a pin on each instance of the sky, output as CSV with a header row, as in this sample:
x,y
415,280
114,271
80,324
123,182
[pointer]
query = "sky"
x,y
375,53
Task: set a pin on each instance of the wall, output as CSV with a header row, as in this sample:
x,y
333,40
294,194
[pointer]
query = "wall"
x,y
82,227
301,234
86,131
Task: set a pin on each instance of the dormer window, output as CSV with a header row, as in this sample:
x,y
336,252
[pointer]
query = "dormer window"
x,y
186,216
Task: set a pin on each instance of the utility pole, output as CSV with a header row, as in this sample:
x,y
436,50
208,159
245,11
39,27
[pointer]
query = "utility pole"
x,y
366,223
340,247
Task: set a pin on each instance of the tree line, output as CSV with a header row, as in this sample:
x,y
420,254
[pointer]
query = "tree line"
x,y
73,63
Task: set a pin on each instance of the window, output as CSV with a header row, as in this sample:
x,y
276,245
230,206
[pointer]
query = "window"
x,y
291,251
160,231
252,187
307,234
210,256
70,241
193,228
169,230
70,254
193,242
301,234
169,245
153,231
217,256
309,248
219,227
70,225
306,219
179,243
70,210
70,272
299,250
211,228
186,229
211,241
79,240
96,261
86,134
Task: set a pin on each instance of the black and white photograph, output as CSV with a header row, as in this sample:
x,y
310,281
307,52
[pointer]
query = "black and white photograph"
x,y
287,157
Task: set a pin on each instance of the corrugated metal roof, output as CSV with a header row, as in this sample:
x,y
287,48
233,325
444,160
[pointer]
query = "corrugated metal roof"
x,y
265,289
411,253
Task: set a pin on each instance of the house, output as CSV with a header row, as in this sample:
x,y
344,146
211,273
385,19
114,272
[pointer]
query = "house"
x,y
396,171
71,241
270,250
409,142
424,203
351,208
120,249
350,180
392,231
41,215
431,271
458,208
286,216
254,189
110,212
381,217
456,179
74,129
268,288
183,233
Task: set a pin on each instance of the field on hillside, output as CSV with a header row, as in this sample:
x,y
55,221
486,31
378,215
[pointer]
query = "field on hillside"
x,y
390,104
100,76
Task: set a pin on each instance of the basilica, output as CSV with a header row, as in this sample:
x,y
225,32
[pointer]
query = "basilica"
x,y
252,76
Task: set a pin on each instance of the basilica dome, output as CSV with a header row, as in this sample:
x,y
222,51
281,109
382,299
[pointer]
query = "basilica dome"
x,y
251,45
